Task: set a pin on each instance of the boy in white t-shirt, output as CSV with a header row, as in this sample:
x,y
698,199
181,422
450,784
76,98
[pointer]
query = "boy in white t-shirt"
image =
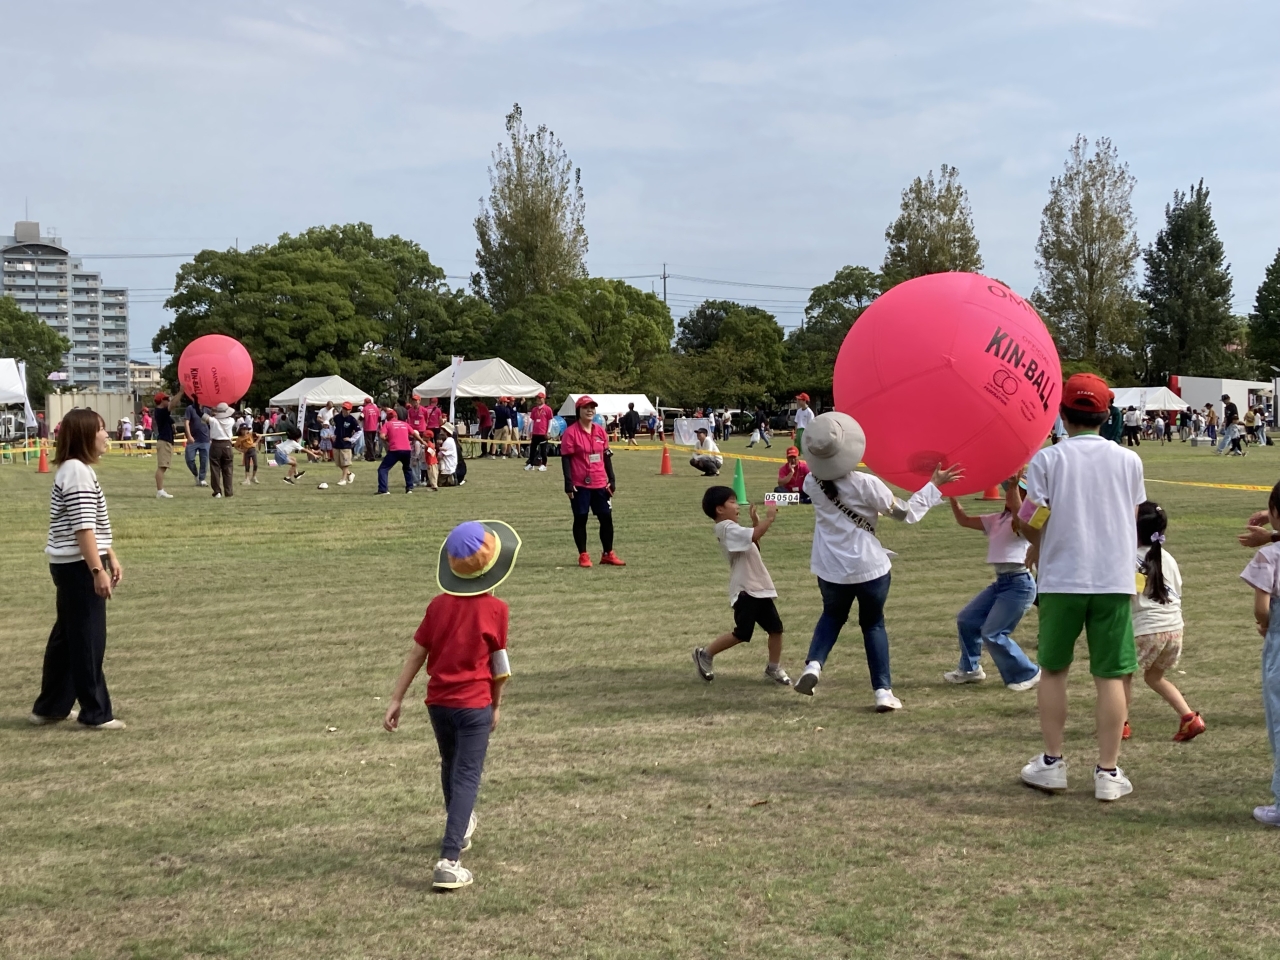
x,y
751,590
1080,510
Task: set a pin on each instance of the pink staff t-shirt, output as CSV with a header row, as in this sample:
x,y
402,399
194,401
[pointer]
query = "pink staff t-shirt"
x,y
397,432
370,412
540,419
802,471
587,450
416,417
434,416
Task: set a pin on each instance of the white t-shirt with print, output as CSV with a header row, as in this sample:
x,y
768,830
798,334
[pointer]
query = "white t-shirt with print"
x,y
747,573
1150,616
1092,488
1003,545
804,417
1263,571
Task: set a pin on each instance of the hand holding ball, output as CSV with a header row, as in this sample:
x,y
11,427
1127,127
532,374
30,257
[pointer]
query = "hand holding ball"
x,y
215,369
946,369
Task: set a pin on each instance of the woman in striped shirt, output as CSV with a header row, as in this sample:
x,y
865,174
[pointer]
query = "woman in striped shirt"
x,y
85,572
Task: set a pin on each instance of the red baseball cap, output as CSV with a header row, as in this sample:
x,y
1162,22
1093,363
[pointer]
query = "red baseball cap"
x,y
346,404
417,396
161,397
802,396
543,396
584,401
792,452
1087,392
368,400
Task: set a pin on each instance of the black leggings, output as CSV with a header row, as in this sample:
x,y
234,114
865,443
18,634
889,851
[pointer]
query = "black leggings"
x,y
580,531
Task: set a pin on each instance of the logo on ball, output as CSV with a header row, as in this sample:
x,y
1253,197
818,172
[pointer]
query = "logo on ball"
x,y
1005,380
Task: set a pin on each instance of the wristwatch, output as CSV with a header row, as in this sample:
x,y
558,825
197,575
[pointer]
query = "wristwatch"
x,y
95,571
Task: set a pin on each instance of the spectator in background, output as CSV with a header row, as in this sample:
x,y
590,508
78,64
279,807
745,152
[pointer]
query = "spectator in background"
x,y
1230,425
539,428
630,425
1132,427
369,413
435,415
163,426
706,455
415,415
146,425
804,416
453,469
1211,422
197,434
484,423
726,426
1262,425
791,475
760,427
42,427
345,430
502,415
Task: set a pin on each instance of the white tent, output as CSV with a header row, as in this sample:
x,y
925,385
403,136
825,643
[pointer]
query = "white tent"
x,y
317,391
610,404
13,389
480,378
1148,398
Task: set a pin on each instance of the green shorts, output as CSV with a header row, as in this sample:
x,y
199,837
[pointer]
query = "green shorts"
x,y
1108,625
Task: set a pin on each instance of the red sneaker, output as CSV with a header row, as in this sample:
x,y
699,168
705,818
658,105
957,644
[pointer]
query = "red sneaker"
x,y
611,559
1189,729
584,559
1126,733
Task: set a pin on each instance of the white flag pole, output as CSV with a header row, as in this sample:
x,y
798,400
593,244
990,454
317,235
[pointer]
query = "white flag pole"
x,y
455,363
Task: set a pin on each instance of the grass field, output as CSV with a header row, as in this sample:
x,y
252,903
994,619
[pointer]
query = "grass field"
x,y
255,808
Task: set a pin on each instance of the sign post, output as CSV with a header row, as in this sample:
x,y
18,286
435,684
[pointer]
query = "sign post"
x,y
455,364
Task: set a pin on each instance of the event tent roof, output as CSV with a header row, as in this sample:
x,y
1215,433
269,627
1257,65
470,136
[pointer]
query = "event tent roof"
x,y
318,391
610,403
481,378
1148,398
12,389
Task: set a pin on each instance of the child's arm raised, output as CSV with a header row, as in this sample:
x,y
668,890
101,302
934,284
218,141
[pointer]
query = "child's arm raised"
x,y
962,518
761,527
1262,609
412,664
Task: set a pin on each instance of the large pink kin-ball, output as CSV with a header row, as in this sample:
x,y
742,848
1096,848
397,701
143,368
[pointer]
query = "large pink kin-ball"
x,y
216,369
949,368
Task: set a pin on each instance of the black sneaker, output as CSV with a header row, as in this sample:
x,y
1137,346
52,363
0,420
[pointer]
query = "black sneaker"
x,y
383,493
287,479
298,475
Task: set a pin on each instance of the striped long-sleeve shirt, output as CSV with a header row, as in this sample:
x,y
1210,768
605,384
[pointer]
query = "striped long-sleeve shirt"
x,y
76,503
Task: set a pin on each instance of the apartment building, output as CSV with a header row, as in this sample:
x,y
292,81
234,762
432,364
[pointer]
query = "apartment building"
x,y
40,273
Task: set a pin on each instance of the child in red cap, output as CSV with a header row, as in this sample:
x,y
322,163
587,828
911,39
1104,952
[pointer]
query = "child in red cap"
x,y
463,642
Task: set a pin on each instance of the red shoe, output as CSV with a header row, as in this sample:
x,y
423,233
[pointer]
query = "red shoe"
x,y
1189,729
1126,733
611,559
584,559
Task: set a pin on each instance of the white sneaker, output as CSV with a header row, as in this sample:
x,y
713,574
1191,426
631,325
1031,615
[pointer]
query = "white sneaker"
x,y
351,476
1110,786
1270,815
163,495
1050,777
109,725
1025,684
38,721
450,875
542,468
777,675
471,828
886,701
528,466
809,679
342,483
964,676
254,478
245,482
217,496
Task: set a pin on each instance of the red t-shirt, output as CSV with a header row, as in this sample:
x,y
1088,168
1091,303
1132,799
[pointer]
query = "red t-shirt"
x,y
586,469
484,416
397,435
540,416
802,471
460,633
370,412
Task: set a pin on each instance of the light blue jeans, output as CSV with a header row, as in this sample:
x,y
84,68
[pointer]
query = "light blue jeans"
x,y
989,618
202,449
1228,432
1271,692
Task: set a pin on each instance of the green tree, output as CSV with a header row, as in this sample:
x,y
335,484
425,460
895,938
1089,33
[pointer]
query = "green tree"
x,y
726,353
1190,327
28,339
1086,254
811,348
699,329
1264,322
531,232
933,232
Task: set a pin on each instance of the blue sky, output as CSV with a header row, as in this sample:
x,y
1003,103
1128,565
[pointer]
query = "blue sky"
x,y
752,141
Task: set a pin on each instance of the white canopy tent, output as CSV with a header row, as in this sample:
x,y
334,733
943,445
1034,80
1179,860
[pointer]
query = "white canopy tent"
x,y
480,378
317,391
610,404
13,390
1148,398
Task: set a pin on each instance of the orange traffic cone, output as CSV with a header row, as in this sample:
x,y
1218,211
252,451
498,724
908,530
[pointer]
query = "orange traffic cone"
x,y
43,465
993,493
665,469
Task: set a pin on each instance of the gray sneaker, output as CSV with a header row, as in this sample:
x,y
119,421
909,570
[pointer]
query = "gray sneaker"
x,y
1270,815
703,661
777,675
450,875
965,676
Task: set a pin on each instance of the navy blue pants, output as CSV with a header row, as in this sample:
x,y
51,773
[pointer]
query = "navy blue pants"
x,y
390,460
462,734
77,644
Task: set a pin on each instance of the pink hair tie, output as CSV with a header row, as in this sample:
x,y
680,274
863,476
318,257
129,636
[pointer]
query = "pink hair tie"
x,y
1157,538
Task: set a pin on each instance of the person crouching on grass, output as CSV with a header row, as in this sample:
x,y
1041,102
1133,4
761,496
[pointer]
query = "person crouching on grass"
x,y
463,642
751,589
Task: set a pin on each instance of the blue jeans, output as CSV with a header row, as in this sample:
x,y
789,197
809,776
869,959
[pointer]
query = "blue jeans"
x,y
390,460
989,618
462,734
203,450
1228,434
1271,692
837,601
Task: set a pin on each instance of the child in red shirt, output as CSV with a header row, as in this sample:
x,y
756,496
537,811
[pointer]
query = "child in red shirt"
x,y
463,642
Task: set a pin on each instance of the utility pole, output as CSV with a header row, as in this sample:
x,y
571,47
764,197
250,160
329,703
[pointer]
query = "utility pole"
x,y
664,283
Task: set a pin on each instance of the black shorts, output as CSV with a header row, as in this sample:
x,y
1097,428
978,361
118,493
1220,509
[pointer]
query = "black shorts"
x,y
749,610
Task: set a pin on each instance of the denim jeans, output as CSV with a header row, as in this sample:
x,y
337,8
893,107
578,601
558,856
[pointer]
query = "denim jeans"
x,y
1228,434
462,734
203,450
1271,692
837,601
989,618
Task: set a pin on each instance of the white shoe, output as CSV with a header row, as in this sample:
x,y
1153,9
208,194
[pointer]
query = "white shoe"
x,y
1110,786
1025,684
217,496
245,482
163,495
964,676
886,701
38,721
202,483
542,469
109,725
450,875
809,679
471,828
1045,776
528,466
342,483
254,478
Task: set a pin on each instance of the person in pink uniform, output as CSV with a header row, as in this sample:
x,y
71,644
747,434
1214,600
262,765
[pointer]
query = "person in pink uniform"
x,y
791,475
435,415
484,420
397,433
369,416
589,481
415,414
539,426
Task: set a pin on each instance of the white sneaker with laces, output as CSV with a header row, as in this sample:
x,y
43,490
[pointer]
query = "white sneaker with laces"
x,y
704,664
450,875
528,466
1051,777
542,468
1109,786
886,701
163,495
217,496
777,675
964,676
38,721
809,679
1025,684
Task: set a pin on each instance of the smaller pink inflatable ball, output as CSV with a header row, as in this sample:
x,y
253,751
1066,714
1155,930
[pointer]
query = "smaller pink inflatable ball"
x,y
216,369
949,368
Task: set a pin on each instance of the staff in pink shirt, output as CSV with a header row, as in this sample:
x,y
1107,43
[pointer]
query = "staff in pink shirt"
x,y
791,476
589,481
539,426
415,414
369,415
435,415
